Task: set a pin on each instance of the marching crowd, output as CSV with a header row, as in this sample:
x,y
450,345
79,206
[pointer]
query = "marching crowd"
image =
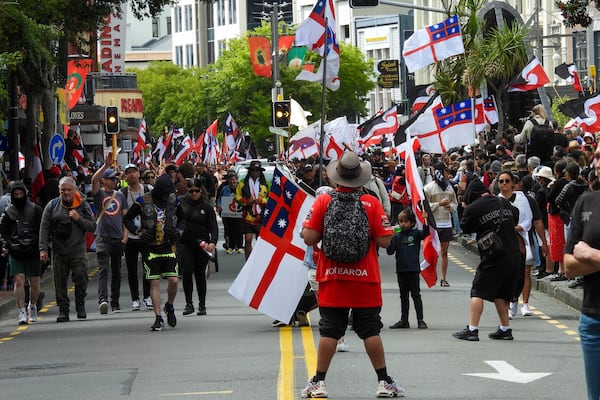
x,y
167,215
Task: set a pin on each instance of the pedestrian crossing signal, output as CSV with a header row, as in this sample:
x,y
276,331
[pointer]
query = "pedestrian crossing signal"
x,y
281,114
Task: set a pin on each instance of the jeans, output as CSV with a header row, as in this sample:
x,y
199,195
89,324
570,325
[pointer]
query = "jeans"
x,y
109,251
408,283
589,332
62,266
132,249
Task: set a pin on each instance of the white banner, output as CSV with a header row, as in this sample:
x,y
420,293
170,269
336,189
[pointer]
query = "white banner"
x,y
230,208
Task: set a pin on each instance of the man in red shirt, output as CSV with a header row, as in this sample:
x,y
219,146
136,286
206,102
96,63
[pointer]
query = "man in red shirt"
x,y
350,286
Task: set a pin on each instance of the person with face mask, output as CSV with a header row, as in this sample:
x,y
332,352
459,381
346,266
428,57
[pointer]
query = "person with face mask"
x,y
19,228
158,212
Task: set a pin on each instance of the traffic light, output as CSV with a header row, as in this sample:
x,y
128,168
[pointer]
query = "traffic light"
x,y
111,119
281,114
363,3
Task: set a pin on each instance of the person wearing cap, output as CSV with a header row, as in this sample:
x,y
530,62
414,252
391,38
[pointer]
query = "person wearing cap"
x,y
443,202
338,294
19,228
134,246
309,180
65,222
495,277
252,194
158,230
111,236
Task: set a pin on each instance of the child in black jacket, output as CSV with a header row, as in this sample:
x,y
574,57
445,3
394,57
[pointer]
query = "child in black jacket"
x,y
407,246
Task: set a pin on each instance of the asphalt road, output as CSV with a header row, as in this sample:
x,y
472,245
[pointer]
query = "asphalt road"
x,y
234,353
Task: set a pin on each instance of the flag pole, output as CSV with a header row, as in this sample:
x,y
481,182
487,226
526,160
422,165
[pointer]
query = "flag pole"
x,y
324,80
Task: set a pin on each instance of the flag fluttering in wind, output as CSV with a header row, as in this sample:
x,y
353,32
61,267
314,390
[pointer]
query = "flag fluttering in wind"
x,y
183,150
141,140
36,173
260,55
78,149
434,43
431,244
232,136
210,153
314,34
490,110
585,110
569,73
373,130
531,77
298,115
305,143
273,278
77,71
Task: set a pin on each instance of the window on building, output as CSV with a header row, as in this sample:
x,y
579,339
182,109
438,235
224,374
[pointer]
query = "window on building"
x,y
154,27
580,53
179,55
169,28
220,12
189,55
232,12
178,20
222,44
189,25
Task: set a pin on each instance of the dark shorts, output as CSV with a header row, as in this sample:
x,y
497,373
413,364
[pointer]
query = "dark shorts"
x,y
30,266
497,279
157,265
366,322
250,228
445,234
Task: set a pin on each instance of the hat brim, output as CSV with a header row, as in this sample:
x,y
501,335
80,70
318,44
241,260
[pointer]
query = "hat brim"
x,y
360,180
551,178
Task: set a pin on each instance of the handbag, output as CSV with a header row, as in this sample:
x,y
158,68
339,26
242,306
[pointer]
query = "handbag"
x,y
490,244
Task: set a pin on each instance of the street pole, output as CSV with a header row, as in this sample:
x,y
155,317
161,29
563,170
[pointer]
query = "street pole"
x,y
277,91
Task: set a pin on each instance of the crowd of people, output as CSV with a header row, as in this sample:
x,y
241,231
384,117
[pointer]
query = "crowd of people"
x,y
511,188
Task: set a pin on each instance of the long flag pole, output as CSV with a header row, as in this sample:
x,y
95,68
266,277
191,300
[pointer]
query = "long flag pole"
x,y
322,137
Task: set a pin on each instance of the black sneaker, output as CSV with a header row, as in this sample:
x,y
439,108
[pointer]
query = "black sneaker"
x,y
201,310
116,308
467,334
421,324
400,325
189,309
170,311
158,324
501,335
80,308
63,316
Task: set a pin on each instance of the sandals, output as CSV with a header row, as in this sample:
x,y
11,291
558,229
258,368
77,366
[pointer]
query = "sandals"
x,y
444,283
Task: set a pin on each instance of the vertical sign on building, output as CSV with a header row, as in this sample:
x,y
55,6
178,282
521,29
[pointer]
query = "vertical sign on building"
x,y
111,44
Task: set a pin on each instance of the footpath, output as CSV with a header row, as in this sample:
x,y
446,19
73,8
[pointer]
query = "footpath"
x,y
559,290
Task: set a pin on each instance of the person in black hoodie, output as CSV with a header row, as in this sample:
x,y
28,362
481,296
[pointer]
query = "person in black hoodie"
x,y
158,209
197,223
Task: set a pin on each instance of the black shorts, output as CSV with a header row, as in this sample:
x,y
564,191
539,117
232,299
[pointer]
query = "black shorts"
x,y
366,322
497,280
445,234
250,228
157,265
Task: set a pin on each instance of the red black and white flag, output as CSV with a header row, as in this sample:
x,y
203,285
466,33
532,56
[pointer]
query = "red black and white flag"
x,y
569,73
585,111
531,77
373,130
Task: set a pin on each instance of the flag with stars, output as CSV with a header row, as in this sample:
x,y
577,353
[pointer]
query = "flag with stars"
x,y
273,279
432,44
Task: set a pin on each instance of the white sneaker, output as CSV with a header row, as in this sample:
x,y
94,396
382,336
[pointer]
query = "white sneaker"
x,y
148,303
525,311
32,311
135,306
390,389
314,389
22,316
103,307
512,309
342,346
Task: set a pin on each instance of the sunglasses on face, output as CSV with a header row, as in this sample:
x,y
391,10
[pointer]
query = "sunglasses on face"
x,y
502,181
194,190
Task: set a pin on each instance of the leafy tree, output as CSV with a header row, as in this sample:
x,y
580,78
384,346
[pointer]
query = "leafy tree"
x,y
560,118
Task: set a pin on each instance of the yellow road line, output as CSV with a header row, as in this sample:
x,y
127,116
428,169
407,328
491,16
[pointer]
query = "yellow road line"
x,y
285,380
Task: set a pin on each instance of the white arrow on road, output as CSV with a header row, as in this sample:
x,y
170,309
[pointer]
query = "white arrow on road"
x,y
507,372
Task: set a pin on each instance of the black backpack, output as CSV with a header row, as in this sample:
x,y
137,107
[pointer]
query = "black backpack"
x,y
346,236
541,142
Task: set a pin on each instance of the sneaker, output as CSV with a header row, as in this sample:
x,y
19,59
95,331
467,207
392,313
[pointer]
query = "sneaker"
x,y
22,318
40,301
278,324
32,311
158,324
135,305
170,311
421,324
400,325
80,308
240,251
512,309
577,283
525,311
501,335
467,334
148,303
314,389
390,389
201,310
559,278
63,316
189,309
103,307
342,346
116,308
302,318
229,251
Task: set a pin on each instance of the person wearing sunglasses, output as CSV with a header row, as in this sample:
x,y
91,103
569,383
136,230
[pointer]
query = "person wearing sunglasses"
x,y
110,205
149,177
198,223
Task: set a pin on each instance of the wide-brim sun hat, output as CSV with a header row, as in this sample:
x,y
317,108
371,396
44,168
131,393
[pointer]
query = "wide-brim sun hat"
x,y
349,171
544,172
